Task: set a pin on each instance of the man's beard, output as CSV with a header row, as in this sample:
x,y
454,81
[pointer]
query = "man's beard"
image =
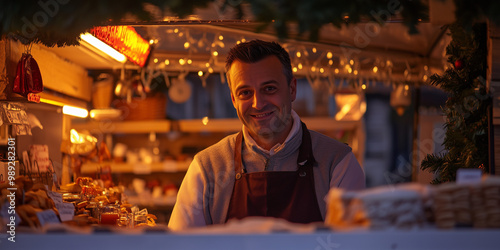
x,y
277,125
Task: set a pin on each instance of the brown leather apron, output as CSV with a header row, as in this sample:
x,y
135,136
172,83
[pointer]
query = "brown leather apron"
x,y
282,194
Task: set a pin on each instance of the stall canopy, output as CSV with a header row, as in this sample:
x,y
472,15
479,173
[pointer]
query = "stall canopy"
x,y
368,50
376,40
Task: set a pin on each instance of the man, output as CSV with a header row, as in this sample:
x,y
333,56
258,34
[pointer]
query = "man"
x,y
275,166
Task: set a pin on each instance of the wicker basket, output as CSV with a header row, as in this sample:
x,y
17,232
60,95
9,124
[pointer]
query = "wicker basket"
x,y
149,108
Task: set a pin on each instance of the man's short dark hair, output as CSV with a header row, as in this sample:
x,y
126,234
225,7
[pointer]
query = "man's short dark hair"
x,y
256,50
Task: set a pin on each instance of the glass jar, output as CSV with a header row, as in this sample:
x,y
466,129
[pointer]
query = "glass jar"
x,y
126,219
94,209
141,220
110,214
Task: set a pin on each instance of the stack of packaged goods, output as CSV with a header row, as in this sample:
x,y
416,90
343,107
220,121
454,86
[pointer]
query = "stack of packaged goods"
x,y
410,206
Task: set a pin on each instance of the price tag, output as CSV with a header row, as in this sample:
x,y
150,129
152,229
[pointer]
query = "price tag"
x,y
469,175
47,217
55,196
66,210
40,155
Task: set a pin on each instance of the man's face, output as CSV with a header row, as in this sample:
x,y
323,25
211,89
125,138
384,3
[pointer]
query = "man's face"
x,y
263,98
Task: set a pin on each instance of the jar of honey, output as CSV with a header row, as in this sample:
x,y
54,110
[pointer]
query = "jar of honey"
x,y
109,215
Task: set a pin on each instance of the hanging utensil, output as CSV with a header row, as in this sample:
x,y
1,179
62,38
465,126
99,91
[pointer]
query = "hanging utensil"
x,y
121,86
180,89
138,86
147,78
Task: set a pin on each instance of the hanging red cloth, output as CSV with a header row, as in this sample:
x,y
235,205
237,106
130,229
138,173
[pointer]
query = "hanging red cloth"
x,y
28,77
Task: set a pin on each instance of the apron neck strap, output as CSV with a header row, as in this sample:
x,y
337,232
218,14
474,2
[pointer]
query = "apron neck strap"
x,y
237,154
306,156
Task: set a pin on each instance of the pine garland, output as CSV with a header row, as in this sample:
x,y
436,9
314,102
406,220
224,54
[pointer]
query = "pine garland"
x,y
59,22
62,21
466,138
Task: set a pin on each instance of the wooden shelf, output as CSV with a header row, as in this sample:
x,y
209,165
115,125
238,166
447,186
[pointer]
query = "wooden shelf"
x,y
328,123
138,168
228,125
196,125
127,127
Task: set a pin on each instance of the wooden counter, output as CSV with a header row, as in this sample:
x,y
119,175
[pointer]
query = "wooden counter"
x,y
420,239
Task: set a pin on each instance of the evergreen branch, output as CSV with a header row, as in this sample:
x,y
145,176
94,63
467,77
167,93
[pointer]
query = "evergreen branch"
x,y
466,108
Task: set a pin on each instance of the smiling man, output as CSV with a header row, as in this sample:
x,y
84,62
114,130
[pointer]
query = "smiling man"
x,y
262,96
274,167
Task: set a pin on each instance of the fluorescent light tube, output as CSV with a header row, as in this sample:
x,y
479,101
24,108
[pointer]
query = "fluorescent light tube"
x,y
74,111
108,50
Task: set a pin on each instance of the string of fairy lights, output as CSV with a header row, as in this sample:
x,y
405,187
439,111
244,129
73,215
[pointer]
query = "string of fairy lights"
x,y
204,53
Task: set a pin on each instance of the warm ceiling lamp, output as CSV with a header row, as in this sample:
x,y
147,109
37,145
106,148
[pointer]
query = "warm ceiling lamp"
x,y
351,105
126,41
106,49
67,109
75,111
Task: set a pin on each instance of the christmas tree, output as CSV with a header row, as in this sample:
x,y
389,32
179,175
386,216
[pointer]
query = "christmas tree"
x,y
466,110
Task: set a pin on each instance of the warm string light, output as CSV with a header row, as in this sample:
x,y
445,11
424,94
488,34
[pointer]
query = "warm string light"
x,y
205,120
306,59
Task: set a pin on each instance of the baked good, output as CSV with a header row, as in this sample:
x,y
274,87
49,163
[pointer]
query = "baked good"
x,y
470,205
397,206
